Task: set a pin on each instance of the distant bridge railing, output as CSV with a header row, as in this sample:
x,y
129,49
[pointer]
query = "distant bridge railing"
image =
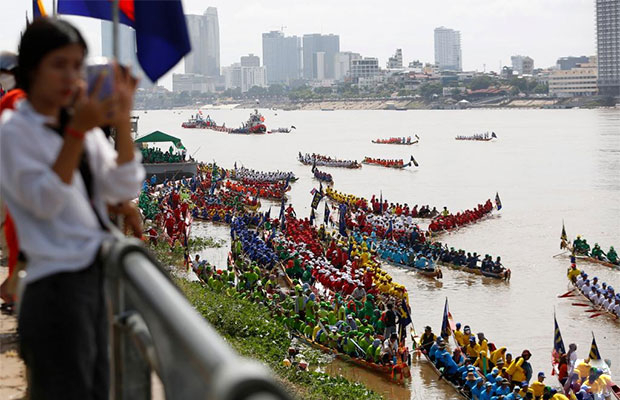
x,y
155,329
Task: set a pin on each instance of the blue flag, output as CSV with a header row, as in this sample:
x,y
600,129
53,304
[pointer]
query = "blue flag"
x,y
498,202
161,32
282,213
390,228
446,323
326,216
558,343
342,226
312,216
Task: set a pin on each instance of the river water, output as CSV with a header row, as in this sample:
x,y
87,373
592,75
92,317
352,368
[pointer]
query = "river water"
x,y
548,166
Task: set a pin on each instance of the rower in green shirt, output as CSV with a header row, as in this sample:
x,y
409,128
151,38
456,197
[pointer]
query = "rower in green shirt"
x,y
612,256
597,252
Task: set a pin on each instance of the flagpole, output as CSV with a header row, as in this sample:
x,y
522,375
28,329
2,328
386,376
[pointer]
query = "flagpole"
x,y
115,23
54,12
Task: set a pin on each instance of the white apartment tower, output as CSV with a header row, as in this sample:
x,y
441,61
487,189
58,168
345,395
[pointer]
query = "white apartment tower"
x,y
448,49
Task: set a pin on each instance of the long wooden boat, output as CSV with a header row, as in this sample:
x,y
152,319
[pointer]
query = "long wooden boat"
x,y
593,260
386,371
396,143
439,373
436,273
388,166
505,275
594,306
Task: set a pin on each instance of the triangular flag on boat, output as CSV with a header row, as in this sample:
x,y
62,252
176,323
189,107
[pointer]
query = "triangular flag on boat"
x,y
558,343
563,238
447,325
414,161
312,216
594,353
326,215
498,202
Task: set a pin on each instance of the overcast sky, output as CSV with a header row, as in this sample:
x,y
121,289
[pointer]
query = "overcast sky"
x,y
491,30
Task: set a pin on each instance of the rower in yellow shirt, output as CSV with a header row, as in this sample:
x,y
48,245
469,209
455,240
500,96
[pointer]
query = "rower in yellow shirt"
x,y
538,387
583,369
573,273
499,354
458,335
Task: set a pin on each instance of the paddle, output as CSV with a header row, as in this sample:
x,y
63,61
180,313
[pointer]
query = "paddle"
x,y
414,161
570,292
581,305
595,315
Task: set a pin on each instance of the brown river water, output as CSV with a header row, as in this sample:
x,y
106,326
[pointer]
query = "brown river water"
x,y
548,166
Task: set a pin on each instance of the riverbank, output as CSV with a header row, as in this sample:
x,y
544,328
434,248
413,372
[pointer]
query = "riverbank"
x,y
252,331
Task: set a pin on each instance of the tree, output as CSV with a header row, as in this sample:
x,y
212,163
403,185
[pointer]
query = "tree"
x,y
542,88
480,82
427,90
276,90
514,91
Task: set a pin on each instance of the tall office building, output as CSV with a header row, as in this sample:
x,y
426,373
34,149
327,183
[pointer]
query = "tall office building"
x,y
204,34
250,61
396,61
367,67
127,49
281,57
608,46
343,62
524,65
448,49
315,43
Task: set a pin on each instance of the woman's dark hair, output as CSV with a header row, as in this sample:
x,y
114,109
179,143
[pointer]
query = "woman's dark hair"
x,y
41,37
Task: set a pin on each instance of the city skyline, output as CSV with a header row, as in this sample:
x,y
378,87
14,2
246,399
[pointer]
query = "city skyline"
x,y
491,32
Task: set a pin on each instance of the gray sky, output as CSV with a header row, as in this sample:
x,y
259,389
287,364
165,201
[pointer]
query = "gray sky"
x,y
491,30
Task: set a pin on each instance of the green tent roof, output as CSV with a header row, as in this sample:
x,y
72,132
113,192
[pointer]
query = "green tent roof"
x,y
159,136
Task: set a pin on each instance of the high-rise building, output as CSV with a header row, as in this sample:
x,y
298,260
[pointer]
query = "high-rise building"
x,y
366,67
608,46
317,43
281,57
244,75
448,49
204,34
127,49
566,63
342,61
396,61
250,61
524,65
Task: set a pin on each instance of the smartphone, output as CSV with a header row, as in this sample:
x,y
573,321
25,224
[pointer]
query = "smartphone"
x,y
96,67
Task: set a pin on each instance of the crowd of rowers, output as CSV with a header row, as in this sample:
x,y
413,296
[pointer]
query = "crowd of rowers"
x,y
341,300
483,372
378,206
447,221
399,163
322,176
265,190
581,247
246,174
477,136
395,140
602,295
326,161
155,155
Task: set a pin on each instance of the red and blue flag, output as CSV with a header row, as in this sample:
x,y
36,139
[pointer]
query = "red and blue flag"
x,y
161,32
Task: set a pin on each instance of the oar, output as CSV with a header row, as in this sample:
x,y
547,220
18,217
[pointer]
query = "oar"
x,y
581,305
570,292
595,315
592,310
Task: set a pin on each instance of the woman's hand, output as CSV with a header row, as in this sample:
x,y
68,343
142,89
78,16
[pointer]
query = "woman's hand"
x,y
89,111
124,88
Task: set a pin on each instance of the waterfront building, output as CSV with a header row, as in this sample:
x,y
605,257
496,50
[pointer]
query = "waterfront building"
x,y
608,46
204,34
367,67
524,65
448,49
193,83
579,81
250,61
342,64
396,61
322,66
281,57
566,63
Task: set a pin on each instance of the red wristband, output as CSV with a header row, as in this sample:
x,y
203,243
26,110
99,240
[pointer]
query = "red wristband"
x,y
75,133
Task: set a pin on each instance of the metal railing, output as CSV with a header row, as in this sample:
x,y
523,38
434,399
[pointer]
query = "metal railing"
x,y
155,329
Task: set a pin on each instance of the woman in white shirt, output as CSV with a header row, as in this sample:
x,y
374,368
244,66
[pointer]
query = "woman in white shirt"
x,y
57,173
